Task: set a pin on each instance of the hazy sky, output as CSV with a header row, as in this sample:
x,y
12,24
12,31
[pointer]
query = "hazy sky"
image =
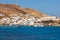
x,y
50,7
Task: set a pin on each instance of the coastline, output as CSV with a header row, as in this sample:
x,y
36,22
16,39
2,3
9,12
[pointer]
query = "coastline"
x,y
25,16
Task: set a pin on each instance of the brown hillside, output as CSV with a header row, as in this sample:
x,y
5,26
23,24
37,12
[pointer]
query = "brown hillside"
x,y
8,9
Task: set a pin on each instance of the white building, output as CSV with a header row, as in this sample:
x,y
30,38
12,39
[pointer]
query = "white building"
x,y
14,19
1,14
5,20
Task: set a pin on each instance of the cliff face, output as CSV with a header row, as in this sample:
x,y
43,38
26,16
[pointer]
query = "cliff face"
x,y
8,9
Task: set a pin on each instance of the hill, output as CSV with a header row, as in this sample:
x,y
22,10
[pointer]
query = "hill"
x,y
11,14
8,9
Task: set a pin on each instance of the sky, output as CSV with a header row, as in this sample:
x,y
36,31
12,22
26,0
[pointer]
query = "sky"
x,y
49,7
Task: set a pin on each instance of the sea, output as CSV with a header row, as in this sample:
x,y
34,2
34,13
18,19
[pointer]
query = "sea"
x,y
29,33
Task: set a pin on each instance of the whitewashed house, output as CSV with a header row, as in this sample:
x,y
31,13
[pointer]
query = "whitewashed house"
x,y
5,20
1,15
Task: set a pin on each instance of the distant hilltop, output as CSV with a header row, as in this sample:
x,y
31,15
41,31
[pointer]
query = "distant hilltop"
x,y
11,14
15,9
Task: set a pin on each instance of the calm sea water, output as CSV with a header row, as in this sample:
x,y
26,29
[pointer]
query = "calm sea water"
x,y
29,33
